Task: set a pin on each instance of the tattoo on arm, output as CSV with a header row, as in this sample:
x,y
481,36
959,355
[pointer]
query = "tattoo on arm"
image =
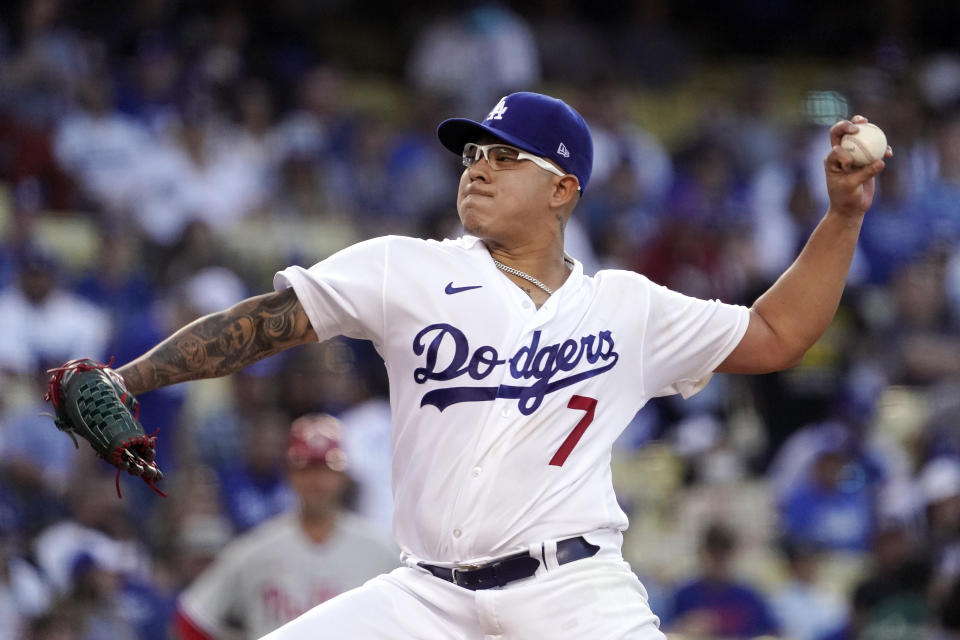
x,y
222,343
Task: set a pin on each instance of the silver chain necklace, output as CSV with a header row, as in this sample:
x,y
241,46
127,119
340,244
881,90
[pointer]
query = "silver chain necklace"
x,y
521,274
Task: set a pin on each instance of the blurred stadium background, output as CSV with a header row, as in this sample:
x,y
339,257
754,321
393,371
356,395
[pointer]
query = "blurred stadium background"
x,y
161,159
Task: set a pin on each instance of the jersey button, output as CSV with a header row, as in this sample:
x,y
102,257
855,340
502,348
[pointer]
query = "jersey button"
x,y
456,533
476,472
505,412
527,304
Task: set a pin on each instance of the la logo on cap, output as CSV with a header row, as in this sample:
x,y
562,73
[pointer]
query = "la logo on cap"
x,y
499,110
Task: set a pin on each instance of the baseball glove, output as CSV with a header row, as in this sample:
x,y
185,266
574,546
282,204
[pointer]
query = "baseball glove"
x,y
91,401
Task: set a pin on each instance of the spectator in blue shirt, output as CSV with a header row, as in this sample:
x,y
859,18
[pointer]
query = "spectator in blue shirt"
x,y
833,504
256,488
715,604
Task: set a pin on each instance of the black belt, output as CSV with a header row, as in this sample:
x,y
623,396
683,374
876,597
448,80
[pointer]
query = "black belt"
x,y
497,573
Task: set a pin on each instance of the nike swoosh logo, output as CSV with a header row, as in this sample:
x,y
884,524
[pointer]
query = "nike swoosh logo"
x,y
450,290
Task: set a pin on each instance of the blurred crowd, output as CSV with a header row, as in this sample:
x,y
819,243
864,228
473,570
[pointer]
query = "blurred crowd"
x,y
160,161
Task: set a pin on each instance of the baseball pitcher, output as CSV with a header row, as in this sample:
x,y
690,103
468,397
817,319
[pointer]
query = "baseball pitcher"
x,y
511,375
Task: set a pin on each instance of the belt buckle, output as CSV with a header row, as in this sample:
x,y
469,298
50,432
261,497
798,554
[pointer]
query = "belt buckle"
x,y
464,567
455,571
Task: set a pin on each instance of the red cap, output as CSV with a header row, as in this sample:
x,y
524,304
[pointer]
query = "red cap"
x,y
316,438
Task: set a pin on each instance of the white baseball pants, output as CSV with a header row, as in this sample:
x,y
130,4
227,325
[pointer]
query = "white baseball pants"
x,y
596,597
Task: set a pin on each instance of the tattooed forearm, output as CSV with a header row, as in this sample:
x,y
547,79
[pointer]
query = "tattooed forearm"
x,y
221,343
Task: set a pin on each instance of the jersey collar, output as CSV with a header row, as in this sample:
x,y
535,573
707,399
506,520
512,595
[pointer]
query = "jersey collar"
x,y
473,243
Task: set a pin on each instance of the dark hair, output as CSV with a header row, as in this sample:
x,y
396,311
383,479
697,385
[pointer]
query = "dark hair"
x,y
718,538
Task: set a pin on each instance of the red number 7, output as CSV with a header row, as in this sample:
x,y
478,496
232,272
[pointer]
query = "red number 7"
x,y
582,403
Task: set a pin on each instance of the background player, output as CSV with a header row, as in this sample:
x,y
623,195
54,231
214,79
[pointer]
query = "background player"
x,y
511,375
294,561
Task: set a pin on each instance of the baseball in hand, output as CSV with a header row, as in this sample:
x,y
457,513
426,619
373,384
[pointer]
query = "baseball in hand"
x,y
867,145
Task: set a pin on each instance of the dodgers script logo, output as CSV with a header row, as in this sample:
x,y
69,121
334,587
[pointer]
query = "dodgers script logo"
x,y
542,366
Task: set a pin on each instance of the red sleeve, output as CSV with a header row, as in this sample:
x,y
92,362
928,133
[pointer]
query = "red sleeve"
x,y
185,629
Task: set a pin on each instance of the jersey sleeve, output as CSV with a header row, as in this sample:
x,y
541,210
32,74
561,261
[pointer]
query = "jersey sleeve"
x,y
214,597
184,628
344,294
686,339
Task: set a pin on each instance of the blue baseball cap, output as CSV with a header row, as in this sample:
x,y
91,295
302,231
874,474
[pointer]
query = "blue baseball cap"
x,y
536,123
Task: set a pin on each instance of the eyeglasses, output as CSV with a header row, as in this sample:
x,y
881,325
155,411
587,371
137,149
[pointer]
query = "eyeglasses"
x,y
502,156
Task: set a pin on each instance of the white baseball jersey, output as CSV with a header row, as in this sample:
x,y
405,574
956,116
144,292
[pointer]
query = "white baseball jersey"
x,y
274,573
503,414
